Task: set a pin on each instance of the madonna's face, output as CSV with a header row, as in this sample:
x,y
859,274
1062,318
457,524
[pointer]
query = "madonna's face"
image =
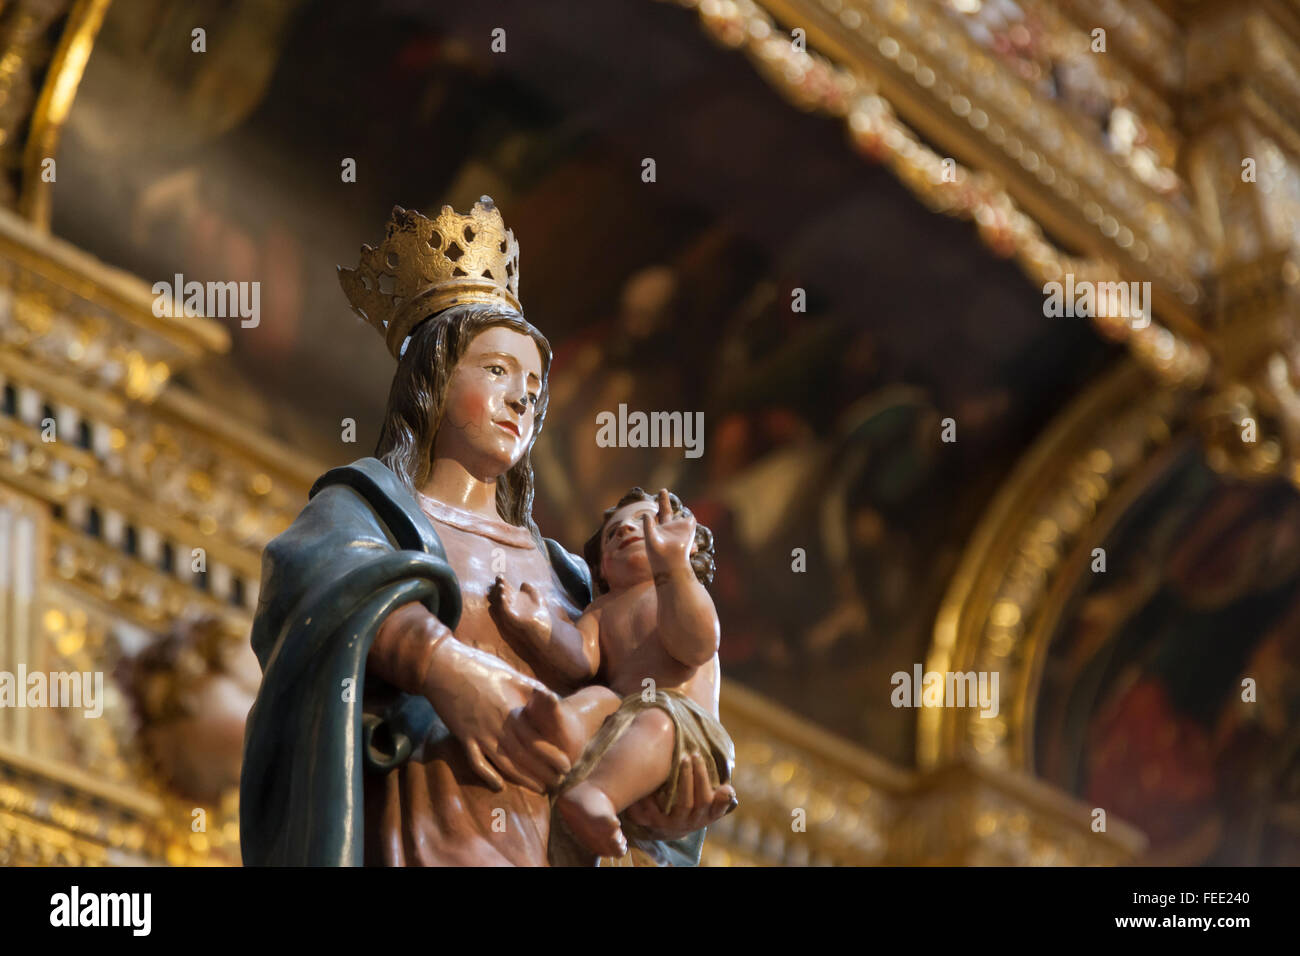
x,y
489,413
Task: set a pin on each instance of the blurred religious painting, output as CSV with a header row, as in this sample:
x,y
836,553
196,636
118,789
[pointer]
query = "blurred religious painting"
x,y
755,241
1172,694
732,291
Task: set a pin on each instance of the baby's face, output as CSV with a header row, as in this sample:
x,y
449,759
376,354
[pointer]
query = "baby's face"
x,y
623,560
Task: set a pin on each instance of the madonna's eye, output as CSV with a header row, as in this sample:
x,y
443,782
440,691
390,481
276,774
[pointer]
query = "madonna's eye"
x,y
532,398
496,369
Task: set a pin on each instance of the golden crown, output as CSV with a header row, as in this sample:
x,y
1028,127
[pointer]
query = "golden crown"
x,y
426,265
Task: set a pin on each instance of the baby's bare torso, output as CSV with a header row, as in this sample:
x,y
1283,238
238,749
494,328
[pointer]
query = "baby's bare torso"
x,y
631,649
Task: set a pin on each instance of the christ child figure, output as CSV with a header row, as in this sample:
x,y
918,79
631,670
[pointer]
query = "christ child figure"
x,y
650,639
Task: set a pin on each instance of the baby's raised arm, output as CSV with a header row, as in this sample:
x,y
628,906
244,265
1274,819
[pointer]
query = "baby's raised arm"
x,y
688,621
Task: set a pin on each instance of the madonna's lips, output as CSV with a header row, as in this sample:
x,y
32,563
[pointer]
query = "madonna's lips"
x,y
508,426
627,541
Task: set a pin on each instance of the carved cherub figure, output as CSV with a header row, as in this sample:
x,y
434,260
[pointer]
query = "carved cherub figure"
x,y
651,635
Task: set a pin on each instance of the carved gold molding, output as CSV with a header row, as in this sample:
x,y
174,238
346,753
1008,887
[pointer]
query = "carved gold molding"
x,y
24,549
155,470
1148,39
852,85
858,810
152,465
56,815
1243,130
1029,552
65,310
1221,86
61,82
962,98
28,33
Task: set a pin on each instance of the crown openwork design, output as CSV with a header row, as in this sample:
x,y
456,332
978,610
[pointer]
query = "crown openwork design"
x,y
424,266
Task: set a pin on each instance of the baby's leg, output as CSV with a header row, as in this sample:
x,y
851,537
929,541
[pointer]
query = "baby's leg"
x,y
574,720
634,767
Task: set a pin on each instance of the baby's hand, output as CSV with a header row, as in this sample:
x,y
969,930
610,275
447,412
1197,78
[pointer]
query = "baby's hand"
x,y
524,612
669,538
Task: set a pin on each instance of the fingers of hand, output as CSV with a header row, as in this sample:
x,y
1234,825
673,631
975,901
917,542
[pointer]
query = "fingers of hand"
x,y
724,801
551,703
635,815
549,757
652,816
503,761
703,786
533,768
665,506
482,767
686,787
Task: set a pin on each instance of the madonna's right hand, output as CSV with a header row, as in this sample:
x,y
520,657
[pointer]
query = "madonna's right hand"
x,y
481,699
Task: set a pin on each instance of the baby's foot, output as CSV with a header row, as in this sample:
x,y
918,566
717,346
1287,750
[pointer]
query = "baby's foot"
x,y
591,817
556,723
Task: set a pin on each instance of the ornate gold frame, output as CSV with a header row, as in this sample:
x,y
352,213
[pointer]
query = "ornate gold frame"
x,y
1027,556
61,82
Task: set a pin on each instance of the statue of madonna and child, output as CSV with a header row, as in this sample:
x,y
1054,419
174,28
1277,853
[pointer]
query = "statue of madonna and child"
x,y
441,685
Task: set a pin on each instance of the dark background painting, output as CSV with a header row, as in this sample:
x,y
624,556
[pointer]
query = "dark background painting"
x,y
1145,706
821,427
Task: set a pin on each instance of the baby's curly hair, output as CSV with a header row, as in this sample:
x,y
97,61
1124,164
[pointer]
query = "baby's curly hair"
x,y
702,561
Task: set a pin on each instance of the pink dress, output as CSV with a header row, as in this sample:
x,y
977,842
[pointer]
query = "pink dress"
x,y
434,810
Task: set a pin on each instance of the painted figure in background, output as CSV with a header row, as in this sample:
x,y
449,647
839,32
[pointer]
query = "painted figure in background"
x,y
400,720
1145,710
191,690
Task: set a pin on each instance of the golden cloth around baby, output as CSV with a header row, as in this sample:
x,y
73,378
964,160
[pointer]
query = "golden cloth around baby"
x,y
697,732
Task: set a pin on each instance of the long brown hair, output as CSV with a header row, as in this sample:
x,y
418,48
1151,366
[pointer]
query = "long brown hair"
x,y
418,396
